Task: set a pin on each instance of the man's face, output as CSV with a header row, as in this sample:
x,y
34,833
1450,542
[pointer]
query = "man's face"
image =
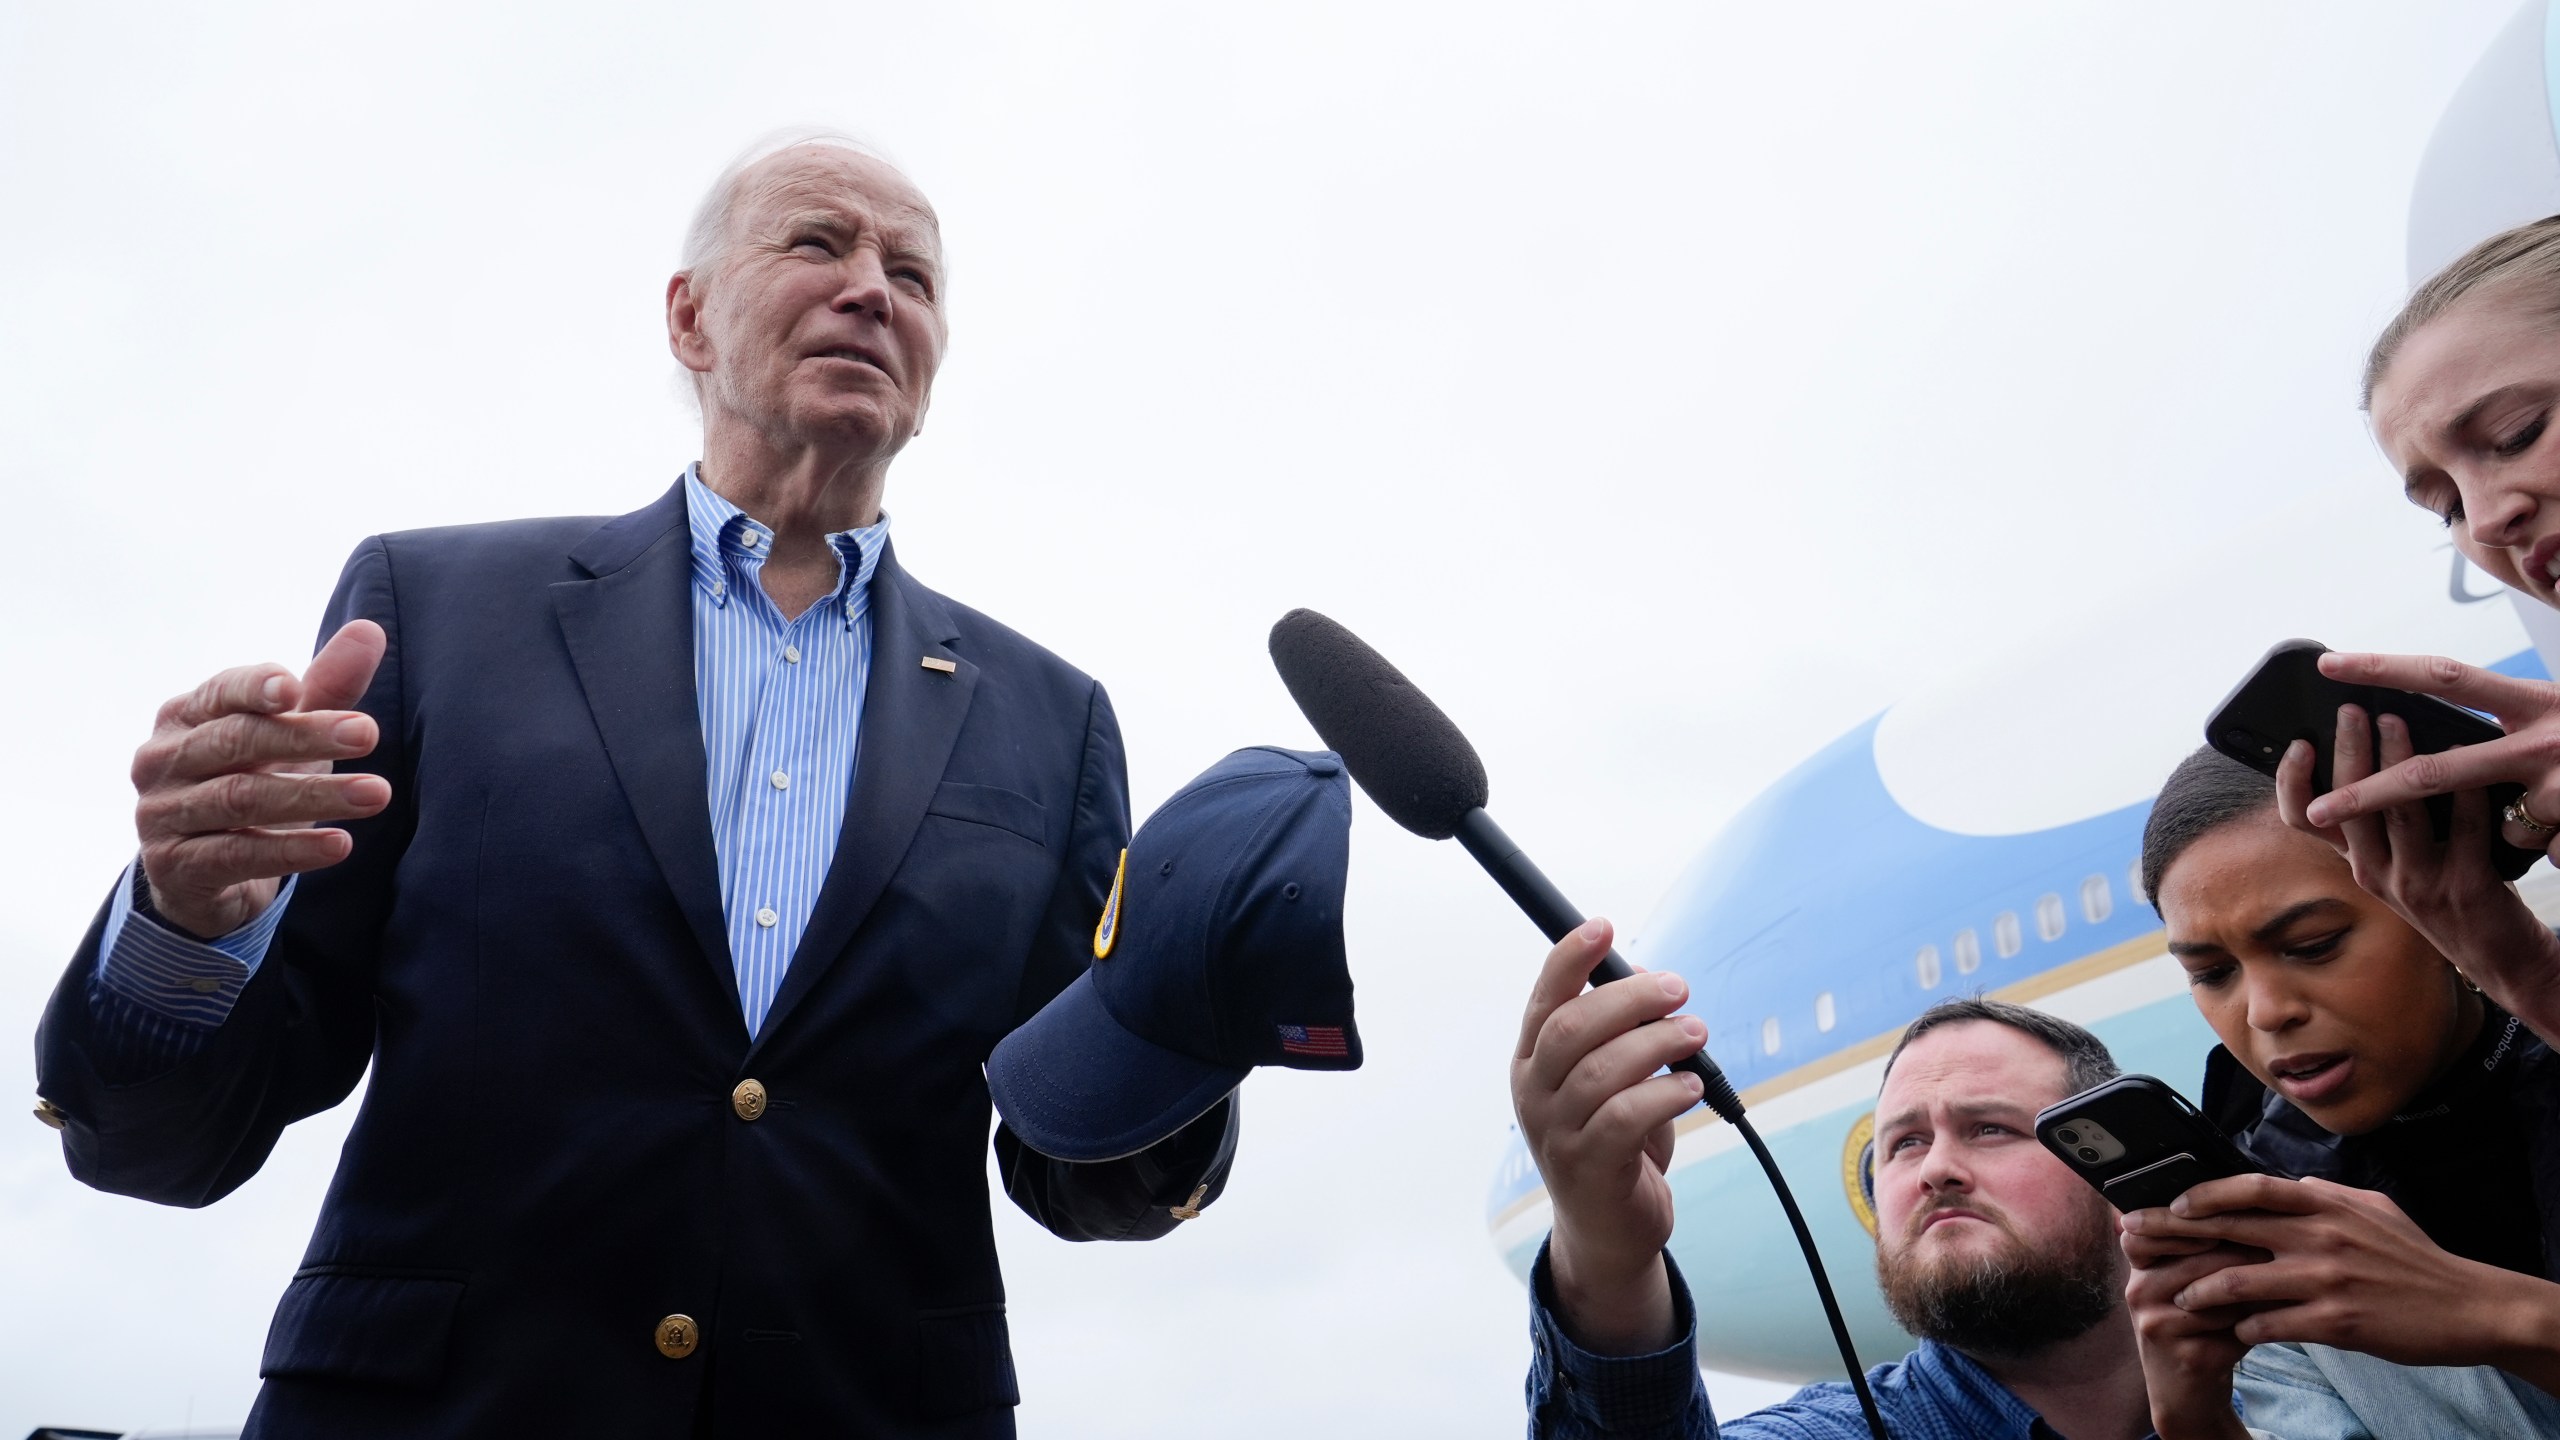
x,y
819,321
1984,1240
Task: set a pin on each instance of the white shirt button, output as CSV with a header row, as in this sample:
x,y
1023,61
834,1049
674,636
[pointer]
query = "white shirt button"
x,y
204,987
791,653
719,587
749,538
781,781
766,918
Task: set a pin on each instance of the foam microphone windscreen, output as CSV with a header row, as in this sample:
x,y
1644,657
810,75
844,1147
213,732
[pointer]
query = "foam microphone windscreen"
x,y
1406,754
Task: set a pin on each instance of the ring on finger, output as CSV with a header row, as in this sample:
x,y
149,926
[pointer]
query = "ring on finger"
x,y
2517,814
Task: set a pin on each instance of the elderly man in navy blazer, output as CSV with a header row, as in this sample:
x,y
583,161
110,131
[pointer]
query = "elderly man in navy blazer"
x,y
675,874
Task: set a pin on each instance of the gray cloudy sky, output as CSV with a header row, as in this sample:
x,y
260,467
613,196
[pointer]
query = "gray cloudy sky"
x,y
1667,387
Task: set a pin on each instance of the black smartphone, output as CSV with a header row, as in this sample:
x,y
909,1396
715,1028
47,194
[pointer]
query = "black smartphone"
x,y
2139,1142
2286,698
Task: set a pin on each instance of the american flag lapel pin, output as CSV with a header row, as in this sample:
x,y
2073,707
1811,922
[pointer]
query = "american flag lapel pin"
x,y
941,666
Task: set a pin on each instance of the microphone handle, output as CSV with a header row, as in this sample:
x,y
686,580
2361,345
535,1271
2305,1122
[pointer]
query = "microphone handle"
x,y
1534,893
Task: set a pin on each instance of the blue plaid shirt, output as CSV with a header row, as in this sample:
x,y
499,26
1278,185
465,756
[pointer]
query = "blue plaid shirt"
x,y
1933,1393
781,707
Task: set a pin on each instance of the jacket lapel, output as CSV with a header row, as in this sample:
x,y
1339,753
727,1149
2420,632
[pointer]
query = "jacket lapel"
x,y
910,720
630,634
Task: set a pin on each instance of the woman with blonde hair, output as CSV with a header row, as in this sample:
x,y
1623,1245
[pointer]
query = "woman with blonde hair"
x,y
2462,387
2399,1271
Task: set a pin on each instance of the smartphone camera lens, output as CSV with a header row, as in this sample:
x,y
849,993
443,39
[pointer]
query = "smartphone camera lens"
x,y
2089,1153
2066,1135
2244,740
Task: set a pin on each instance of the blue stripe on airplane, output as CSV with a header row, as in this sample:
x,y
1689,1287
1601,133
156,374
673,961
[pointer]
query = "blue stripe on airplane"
x,y
1825,886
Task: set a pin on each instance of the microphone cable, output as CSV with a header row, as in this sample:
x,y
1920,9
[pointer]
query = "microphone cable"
x,y
1546,906
1411,760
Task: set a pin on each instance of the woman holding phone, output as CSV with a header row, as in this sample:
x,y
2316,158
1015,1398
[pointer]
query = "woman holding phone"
x,y
2463,387
2411,1125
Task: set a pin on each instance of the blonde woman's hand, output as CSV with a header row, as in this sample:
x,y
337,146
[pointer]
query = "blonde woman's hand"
x,y
2446,889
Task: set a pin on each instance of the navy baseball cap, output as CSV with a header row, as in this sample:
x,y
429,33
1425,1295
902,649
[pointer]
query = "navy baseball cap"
x,y
1220,949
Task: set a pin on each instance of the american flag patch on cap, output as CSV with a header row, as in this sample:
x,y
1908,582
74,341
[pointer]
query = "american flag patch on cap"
x,y
1318,1040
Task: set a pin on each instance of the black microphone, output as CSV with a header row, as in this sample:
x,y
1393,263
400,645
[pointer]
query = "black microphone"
x,y
1417,767
1413,762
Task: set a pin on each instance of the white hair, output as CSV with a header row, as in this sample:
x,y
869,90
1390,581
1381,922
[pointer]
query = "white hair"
x,y
708,236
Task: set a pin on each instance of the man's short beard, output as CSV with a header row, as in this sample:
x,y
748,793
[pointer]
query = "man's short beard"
x,y
2010,1303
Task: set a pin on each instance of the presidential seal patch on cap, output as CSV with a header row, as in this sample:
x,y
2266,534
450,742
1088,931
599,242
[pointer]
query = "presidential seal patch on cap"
x,y
1106,931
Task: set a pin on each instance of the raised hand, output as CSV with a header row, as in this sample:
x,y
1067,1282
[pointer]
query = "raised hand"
x,y
2529,754
2444,888
1598,1122
236,776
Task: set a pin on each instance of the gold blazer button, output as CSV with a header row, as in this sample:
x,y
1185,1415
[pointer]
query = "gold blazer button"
x,y
677,1336
748,1099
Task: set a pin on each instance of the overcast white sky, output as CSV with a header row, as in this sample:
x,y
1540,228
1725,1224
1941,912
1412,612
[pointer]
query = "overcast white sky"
x,y
1666,387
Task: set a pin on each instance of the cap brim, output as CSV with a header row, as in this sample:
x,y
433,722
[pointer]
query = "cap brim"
x,y
1076,1085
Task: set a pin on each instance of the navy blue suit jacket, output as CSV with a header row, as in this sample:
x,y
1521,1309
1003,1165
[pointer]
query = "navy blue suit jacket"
x,y
527,948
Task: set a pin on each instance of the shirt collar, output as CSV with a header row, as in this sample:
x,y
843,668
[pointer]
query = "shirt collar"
x,y
1968,1389
729,546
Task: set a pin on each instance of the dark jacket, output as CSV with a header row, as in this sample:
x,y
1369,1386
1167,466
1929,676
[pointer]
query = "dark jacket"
x,y
2475,1160
527,949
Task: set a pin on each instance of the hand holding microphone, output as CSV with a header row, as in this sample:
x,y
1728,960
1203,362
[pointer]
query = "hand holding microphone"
x,y
1413,762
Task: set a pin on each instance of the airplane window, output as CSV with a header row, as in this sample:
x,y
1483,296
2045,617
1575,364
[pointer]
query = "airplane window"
x,y
2004,934
1825,1014
2097,900
1968,951
2049,918
1769,1036
2133,881
1928,967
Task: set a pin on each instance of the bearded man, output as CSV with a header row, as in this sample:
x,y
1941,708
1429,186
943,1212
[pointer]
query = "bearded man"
x,y
1993,1252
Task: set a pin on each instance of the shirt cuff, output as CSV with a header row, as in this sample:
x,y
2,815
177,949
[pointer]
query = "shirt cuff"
x,y
1616,1394
150,964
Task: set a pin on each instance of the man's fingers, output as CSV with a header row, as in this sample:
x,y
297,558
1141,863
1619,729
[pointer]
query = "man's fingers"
x,y
338,675
1619,1063
205,865
1632,1116
1566,971
1587,1024
2469,686
244,742
241,690
1663,1141
250,800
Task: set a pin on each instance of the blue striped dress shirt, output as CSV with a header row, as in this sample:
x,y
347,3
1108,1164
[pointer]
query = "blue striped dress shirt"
x,y
781,704
781,707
